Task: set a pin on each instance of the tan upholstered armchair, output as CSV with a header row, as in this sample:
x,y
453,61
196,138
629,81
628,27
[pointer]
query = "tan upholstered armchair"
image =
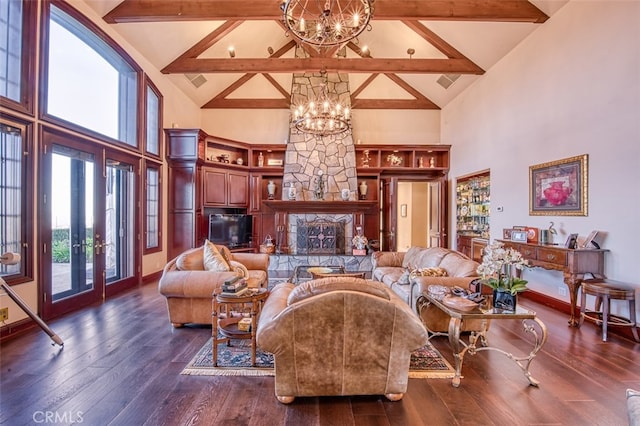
x,y
339,336
188,287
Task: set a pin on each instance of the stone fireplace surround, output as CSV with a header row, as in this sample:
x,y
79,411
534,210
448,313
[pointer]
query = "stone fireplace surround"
x,y
288,214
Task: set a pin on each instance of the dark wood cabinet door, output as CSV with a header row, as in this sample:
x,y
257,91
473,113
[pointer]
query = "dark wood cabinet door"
x,y
215,187
255,193
238,189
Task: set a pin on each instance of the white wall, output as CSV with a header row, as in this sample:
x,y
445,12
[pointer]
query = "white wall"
x,y
571,88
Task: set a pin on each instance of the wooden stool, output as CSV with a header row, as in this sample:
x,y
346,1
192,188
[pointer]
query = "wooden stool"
x,y
604,291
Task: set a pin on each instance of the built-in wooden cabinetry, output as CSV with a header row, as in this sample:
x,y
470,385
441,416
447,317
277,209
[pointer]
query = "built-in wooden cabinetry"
x,y
473,198
225,188
208,173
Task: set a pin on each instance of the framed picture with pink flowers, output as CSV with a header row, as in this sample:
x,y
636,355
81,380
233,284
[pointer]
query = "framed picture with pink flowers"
x,y
559,188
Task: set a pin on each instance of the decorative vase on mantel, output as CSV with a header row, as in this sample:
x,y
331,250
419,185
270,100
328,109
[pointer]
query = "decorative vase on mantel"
x,y
363,190
505,300
271,190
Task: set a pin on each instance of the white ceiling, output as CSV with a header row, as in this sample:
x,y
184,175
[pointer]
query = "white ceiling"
x,y
484,43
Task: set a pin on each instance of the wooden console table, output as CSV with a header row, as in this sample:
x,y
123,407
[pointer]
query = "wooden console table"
x,y
573,263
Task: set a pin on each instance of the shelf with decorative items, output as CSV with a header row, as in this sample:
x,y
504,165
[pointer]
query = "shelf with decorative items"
x,y
368,187
433,158
226,152
473,199
391,159
268,156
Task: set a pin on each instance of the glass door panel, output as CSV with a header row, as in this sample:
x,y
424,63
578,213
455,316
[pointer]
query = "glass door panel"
x,y
119,242
72,232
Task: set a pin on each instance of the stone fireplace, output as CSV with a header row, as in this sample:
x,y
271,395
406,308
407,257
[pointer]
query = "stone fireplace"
x,y
310,158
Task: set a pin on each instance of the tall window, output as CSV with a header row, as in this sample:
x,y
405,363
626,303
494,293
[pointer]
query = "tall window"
x,y
17,32
152,208
89,83
11,49
153,121
14,211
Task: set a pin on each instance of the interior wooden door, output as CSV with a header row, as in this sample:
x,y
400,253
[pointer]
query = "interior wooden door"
x,y
437,213
388,212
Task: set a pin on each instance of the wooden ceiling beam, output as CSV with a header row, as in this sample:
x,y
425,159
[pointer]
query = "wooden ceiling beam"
x,y
433,39
285,104
248,103
392,104
200,10
346,65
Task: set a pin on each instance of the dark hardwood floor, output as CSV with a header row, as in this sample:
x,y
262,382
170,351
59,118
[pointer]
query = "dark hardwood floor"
x,y
121,365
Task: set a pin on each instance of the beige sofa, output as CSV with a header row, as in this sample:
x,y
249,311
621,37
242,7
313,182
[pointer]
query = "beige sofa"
x,y
188,286
393,268
339,336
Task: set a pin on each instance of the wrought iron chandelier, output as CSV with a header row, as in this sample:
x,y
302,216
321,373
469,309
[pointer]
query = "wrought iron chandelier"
x,y
322,114
327,22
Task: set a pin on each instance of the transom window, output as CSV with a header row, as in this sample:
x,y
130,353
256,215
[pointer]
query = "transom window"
x,y
89,83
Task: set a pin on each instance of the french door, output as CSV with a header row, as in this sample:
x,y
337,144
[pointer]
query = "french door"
x,y
121,223
88,226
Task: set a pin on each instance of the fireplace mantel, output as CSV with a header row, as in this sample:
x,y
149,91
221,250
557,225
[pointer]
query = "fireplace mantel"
x,y
329,207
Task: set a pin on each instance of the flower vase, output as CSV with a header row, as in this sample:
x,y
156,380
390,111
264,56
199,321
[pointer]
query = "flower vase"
x,y
504,300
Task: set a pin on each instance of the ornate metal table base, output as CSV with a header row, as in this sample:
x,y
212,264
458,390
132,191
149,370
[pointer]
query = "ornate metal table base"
x,y
461,348
478,339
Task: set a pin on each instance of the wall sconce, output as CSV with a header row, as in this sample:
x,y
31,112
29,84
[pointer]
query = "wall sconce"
x,y
232,52
411,51
364,52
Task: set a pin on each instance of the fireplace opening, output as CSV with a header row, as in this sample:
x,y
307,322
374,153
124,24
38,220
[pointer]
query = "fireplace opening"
x,y
320,237
319,234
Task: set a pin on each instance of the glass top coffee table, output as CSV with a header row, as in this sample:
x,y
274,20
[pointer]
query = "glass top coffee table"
x,y
303,273
484,312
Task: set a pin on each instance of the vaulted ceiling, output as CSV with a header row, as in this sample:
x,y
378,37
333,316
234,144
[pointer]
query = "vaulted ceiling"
x,y
452,44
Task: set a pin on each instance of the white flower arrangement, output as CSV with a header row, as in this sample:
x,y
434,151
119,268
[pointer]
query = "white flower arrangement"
x,y
359,242
497,267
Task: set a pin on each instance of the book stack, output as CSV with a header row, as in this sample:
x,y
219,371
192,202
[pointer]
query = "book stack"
x,y
244,324
236,286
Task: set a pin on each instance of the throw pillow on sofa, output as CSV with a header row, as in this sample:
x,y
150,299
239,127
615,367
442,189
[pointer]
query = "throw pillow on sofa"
x,y
429,272
239,269
190,261
404,278
213,260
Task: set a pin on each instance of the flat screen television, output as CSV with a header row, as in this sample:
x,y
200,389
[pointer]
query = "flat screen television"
x,y
231,230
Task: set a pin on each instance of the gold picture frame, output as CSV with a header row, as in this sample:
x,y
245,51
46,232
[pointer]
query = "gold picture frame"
x,y
559,188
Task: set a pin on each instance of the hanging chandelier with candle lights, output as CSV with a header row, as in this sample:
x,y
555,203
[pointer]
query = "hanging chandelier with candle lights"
x,y
327,22
321,113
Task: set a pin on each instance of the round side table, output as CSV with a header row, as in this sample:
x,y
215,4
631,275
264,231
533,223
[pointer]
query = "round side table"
x,y
227,327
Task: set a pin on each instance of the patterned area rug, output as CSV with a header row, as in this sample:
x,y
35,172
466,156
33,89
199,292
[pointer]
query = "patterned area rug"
x,y
235,360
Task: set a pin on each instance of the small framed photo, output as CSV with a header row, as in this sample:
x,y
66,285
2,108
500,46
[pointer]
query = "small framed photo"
x,y
589,241
572,241
506,233
519,236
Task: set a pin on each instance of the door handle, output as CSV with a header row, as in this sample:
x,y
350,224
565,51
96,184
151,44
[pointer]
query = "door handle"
x,y
97,246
